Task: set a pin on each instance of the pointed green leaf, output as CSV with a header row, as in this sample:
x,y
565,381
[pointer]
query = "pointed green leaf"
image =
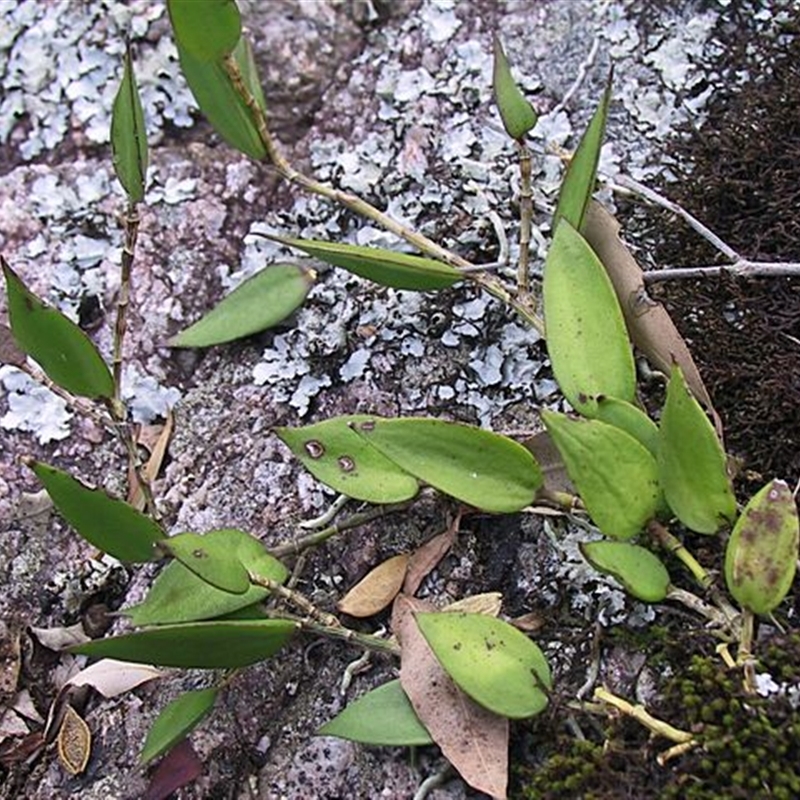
x,y
586,336
212,559
260,302
578,185
476,466
631,419
496,664
691,462
636,568
761,557
208,29
616,477
201,645
221,103
383,716
60,347
386,267
128,135
336,455
178,595
176,721
109,524
518,115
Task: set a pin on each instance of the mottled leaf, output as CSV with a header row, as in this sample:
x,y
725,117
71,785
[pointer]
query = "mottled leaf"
x,y
260,302
176,720
202,645
497,665
476,466
383,716
386,267
109,524
586,337
641,572
691,462
616,477
518,115
377,589
336,455
62,349
761,556
578,184
178,595
208,29
128,135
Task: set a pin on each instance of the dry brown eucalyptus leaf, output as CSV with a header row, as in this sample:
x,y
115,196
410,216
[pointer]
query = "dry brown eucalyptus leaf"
x,y
649,325
74,742
488,603
156,439
474,740
428,555
376,590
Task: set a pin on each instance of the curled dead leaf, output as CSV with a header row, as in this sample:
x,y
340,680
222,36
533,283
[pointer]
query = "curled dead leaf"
x,y
74,742
488,603
425,558
376,590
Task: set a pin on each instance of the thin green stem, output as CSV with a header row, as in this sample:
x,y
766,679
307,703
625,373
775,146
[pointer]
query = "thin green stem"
x,y
746,651
490,283
525,218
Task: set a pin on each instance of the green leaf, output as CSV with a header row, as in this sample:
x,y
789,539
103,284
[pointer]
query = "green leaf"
x,y
761,557
60,347
476,466
586,336
691,462
260,302
383,716
109,524
210,558
128,135
631,419
178,595
497,665
208,29
616,477
222,104
386,267
200,645
578,185
636,568
176,721
518,115
336,455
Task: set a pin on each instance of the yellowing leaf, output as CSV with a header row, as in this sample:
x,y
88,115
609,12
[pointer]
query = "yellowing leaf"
x,y
586,336
377,589
74,742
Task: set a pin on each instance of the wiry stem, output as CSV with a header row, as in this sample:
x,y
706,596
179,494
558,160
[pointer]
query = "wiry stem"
x,y
525,217
490,283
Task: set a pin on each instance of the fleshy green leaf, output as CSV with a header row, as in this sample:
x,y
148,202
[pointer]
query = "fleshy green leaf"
x,y
201,645
691,462
221,103
211,558
61,348
476,466
636,568
176,721
208,29
578,185
109,524
178,595
497,665
615,476
518,115
260,302
383,716
761,557
386,267
631,419
128,135
336,455
586,336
